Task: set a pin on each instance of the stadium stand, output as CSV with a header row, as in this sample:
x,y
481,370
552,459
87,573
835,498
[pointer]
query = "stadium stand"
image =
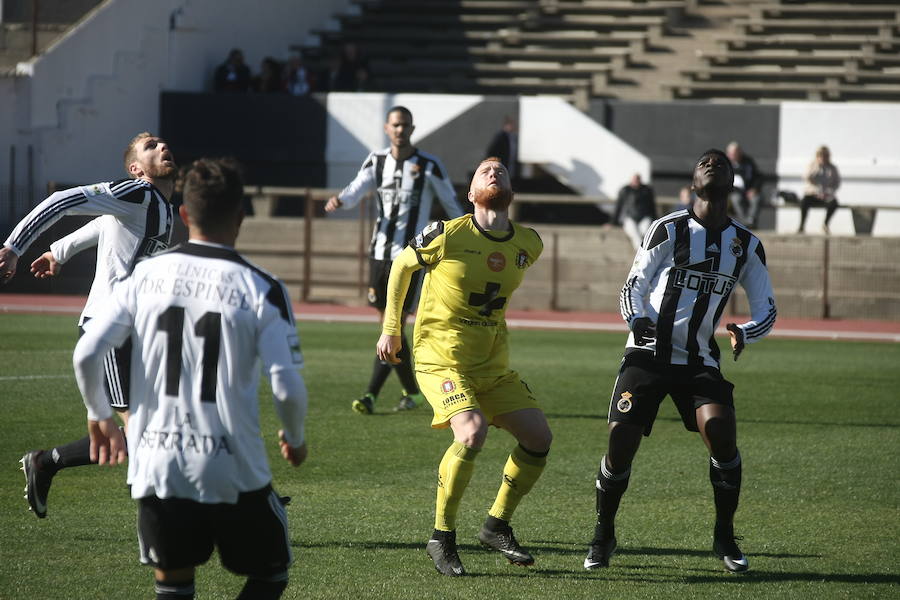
x,y
628,49
53,18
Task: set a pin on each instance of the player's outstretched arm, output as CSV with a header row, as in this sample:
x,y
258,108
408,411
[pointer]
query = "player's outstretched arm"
x,y
107,442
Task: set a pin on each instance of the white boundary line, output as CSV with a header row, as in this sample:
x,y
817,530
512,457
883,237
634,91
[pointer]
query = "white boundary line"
x,y
534,324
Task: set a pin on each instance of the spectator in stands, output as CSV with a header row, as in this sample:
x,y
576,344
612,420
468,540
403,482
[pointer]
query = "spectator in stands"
x,y
505,146
745,198
269,79
635,209
352,73
297,77
686,198
822,180
232,75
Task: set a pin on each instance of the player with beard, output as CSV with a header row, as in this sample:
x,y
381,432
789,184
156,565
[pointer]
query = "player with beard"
x,y
673,300
136,221
472,265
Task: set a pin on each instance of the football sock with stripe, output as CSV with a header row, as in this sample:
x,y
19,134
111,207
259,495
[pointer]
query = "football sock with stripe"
x,y
73,454
174,591
264,588
726,481
380,372
610,488
523,468
454,474
404,369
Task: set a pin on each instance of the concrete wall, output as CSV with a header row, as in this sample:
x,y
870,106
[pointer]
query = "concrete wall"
x,y
864,144
100,83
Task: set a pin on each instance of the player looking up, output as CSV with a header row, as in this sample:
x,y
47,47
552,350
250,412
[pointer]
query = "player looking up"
x,y
673,299
136,222
472,264
201,319
405,180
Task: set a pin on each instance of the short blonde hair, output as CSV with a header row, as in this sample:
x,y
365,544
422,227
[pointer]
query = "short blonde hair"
x,y
130,152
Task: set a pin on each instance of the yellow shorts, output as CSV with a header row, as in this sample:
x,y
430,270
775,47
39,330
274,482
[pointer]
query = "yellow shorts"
x,y
450,392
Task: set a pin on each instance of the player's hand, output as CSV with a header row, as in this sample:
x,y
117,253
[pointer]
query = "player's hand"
x,y
45,266
107,442
387,348
8,262
644,330
737,339
293,455
333,204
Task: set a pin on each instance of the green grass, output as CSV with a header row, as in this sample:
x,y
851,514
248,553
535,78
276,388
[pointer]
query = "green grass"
x,y
817,425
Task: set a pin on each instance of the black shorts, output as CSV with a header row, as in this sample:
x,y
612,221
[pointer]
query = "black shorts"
x,y
251,536
117,366
379,271
643,383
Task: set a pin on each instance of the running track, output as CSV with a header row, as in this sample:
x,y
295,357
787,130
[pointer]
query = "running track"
x,y
819,329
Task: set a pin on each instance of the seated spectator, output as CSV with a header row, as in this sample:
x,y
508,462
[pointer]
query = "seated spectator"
x,y
352,70
232,75
635,209
822,181
269,79
686,198
745,198
297,79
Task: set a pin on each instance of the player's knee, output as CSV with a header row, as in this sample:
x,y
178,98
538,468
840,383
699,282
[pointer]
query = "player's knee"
x,y
264,588
469,428
726,475
538,441
472,438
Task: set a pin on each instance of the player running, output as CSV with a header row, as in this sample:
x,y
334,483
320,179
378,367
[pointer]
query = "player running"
x,y
137,221
678,287
472,265
201,319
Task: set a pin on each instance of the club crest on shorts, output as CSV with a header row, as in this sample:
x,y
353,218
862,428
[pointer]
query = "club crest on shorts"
x,y
372,296
496,262
448,386
624,404
736,248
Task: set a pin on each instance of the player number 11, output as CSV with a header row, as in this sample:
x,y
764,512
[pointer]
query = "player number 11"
x,y
208,327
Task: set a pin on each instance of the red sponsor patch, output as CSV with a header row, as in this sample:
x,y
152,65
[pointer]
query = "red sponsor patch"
x,y
448,386
496,262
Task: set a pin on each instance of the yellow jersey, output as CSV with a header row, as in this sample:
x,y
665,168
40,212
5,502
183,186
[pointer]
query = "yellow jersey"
x,y
470,275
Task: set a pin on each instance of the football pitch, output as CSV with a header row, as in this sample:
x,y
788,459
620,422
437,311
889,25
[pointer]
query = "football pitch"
x,y
818,429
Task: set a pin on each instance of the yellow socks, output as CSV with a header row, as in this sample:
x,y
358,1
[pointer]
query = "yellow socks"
x,y
522,470
454,474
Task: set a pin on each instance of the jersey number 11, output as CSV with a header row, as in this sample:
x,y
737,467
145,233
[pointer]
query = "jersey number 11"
x,y
208,327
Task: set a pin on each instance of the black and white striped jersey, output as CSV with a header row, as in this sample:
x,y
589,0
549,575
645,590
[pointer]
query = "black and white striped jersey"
x,y
682,278
405,192
136,222
202,321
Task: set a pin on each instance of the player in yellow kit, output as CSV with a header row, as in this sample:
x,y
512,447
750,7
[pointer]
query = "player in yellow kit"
x,y
472,264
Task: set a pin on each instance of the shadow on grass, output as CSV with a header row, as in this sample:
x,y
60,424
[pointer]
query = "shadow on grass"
x,y
549,546
659,573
